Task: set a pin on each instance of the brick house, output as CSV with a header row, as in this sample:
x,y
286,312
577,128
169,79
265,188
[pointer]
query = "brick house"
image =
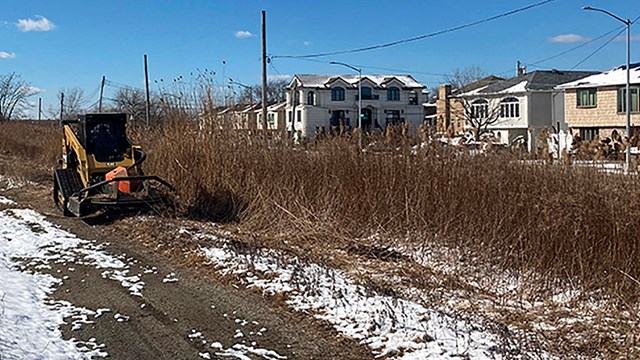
x,y
596,105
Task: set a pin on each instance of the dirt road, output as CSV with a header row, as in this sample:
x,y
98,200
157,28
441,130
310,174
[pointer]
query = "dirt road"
x,y
179,312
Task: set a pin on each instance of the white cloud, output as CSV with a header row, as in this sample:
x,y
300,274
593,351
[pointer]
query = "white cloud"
x,y
568,38
242,34
40,24
7,55
32,90
306,43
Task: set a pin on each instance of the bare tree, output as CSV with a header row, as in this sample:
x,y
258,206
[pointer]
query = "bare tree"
x,y
14,95
130,101
74,102
275,92
462,77
478,114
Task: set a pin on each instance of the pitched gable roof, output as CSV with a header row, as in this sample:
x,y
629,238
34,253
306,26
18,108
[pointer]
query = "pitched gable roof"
x,y
540,80
613,77
323,81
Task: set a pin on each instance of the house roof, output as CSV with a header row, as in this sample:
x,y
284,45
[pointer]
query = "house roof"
x,y
482,83
323,81
613,77
540,80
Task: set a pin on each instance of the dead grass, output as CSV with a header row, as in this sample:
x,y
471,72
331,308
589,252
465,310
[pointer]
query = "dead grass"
x,y
570,225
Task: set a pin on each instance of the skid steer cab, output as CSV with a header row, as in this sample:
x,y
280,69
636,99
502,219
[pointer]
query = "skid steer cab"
x,y
101,169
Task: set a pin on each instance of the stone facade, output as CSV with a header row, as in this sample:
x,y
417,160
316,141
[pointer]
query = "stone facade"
x,y
604,115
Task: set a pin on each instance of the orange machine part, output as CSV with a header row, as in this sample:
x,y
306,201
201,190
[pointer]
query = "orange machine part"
x,y
124,185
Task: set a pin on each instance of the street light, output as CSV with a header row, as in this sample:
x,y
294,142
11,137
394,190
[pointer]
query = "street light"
x,y
627,23
359,70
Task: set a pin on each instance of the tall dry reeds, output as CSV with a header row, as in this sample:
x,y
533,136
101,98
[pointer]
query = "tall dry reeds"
x,y
567,224
33,145
564,223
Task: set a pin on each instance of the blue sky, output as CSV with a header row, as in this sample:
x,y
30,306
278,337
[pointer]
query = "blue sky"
x,y
72,43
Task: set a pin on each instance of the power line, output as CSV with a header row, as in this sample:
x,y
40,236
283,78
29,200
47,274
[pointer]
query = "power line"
x,y
416,38
603,45
597,50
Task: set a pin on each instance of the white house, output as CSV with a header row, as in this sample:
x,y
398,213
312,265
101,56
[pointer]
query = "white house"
x,y
325,103
275,116
520,104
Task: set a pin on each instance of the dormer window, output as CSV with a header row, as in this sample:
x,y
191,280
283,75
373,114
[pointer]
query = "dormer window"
x,y
337,94
393,94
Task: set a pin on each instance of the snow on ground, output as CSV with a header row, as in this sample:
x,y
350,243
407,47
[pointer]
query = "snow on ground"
x,y
237,351
5,201
29,318
388,325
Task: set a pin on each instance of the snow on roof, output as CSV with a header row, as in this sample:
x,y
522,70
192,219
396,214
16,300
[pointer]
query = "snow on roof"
x,y
475,92
517,88
616,76
277,106
380,80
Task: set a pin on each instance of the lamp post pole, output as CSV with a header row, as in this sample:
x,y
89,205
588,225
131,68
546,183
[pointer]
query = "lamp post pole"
x,y
627,23
359,70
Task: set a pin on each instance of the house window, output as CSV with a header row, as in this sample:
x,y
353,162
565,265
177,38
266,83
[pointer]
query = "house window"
x,y
588,134
289,115
393,117
367,93
622,100
338,118
393,94
311,98
586,98
413,98
299,115
337,94
510,108
271,118
479,109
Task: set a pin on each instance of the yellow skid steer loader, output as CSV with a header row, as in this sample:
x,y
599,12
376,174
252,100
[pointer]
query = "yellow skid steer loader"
x,y
101,169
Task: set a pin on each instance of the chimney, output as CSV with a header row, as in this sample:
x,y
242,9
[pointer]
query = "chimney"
x,y
520,70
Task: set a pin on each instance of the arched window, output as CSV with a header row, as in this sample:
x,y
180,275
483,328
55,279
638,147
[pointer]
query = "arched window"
x,y
393,94
337,94
367,93
480,109
509,108
311,98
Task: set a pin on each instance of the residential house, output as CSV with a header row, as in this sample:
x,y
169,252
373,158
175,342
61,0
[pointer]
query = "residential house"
x,y
275,116
444,121
596,105
325,103
517,108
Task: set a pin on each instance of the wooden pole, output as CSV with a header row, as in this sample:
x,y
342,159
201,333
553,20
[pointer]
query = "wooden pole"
x,y
61,105
39,108
101,94
264,71
146,82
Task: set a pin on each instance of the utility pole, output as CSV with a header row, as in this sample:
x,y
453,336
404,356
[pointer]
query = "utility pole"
x,y
101,93
61,105
39,108
264,71
146,83
294,101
